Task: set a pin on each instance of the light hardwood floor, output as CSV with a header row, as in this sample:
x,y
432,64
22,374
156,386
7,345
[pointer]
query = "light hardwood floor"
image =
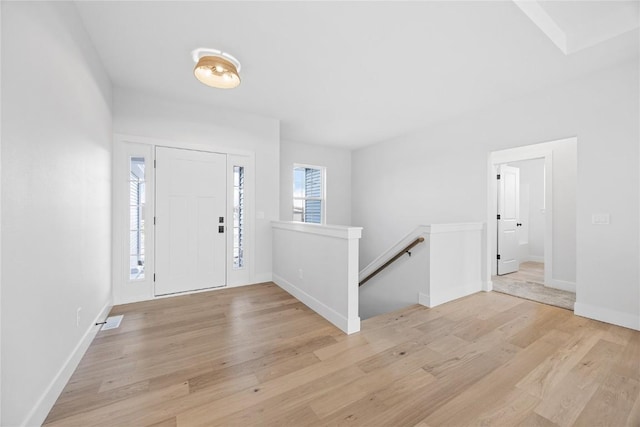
x,y
257,356
528,271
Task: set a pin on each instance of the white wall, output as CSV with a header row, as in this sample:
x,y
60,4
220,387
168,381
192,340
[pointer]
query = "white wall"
x,y
0,219
532,215
194,125
318,264
337,162
56,202
440,174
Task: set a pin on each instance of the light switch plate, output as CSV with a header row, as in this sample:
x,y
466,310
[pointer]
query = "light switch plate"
x,y
601,219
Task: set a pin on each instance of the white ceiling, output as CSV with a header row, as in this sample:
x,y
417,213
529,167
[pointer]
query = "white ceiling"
x,y
343,73
577,25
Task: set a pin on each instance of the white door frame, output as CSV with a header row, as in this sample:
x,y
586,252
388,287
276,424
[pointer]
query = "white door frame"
x,y
122,293
535,151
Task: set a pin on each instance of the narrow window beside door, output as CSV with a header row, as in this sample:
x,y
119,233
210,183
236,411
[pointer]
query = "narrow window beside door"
x,y
308,194
238,217
136,217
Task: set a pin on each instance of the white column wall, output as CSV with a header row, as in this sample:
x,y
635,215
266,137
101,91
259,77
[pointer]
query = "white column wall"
x,y
56,202
318,264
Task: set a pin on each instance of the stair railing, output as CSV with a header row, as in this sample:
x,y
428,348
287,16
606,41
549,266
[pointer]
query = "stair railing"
x,y
406,250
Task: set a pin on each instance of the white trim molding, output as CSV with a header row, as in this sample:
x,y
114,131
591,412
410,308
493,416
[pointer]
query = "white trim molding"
x,y
347,325
41,409
318,264
338,231
545,22
627,320
448,294
563,285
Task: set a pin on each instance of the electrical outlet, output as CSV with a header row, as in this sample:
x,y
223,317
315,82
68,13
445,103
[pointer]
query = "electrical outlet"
x,y
78,316
300,273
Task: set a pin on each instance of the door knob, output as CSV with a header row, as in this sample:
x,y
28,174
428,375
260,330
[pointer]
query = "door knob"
x,y
518,224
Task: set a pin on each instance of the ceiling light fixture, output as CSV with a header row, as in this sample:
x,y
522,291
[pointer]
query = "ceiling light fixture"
x,y
216,68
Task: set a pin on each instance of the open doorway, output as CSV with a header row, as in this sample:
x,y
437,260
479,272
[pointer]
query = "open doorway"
x,y
521,218
531,222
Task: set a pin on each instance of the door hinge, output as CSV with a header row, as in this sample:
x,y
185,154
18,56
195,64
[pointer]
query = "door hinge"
x,y
154,220
498,258
154,274
498,176
154,166
498,217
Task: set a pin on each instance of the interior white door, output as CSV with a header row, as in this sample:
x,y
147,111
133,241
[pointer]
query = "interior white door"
x,y
508,215
190,220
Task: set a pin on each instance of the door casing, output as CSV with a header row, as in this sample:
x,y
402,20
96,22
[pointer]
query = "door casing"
x,y
535,151
125,291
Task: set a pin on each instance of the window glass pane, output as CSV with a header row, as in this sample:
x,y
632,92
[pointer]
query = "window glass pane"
x,y
313,183
298,209
238,216
298,182
312,211
137,198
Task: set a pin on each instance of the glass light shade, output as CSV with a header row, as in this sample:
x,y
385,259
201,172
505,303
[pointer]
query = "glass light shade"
x,y
216,71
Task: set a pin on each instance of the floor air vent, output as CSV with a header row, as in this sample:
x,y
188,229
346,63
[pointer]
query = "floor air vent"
x,y
112,322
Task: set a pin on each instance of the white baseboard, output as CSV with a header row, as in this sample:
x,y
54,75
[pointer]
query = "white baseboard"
x,y
533,258
436,298
487,286
262,278
348,326
563,285
423,299
628,320
48,399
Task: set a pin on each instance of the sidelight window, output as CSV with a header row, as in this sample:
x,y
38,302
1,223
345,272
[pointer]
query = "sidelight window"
x,y
137,198
238,217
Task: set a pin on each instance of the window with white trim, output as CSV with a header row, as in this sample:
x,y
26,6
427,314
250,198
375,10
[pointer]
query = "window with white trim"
x,y
308,193
137,196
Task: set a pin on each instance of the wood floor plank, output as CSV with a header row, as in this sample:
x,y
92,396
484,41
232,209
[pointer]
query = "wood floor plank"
x,y
612,403
494,385
568,399
553,370
256,356
510,410
367,410
535,420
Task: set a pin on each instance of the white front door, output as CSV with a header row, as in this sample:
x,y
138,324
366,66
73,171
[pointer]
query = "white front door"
x,y
508,215
190,220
